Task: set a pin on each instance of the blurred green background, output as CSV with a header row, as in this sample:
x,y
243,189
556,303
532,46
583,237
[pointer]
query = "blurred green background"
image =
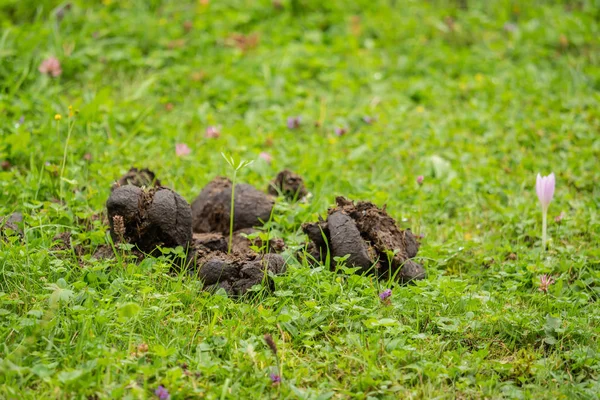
x,y
476,96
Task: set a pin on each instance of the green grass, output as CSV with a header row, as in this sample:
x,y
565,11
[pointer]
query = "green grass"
x,y
476,108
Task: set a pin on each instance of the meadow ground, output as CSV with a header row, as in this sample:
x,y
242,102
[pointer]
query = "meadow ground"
x,y
477,97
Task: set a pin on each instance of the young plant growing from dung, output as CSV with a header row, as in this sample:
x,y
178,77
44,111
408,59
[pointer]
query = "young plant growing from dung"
x,y
235,168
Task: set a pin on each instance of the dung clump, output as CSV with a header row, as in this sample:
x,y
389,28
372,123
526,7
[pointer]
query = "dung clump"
x,y
149,218
211,209
369,237
288,184
12,224
138,177
237,274
152,217
242,268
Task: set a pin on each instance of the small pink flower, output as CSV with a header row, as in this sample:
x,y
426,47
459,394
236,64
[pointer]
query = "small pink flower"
x,y
545,282
420,179
182,149
213,132
294,122
340,131
50,66
368,120
266,156
559,217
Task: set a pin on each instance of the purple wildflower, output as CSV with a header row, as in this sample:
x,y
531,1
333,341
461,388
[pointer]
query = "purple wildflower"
x,y
386,294
162,393
61,11
276,379
420,179
294,122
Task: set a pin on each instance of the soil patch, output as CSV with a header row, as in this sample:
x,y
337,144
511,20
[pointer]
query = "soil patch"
x,y
371,239
237,272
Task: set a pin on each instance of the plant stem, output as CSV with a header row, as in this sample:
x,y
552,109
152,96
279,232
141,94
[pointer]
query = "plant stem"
x,y
544,226
64,161
231,212
420,211
278,367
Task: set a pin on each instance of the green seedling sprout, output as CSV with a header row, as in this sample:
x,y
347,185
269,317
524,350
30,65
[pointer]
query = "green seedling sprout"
x,y
235,168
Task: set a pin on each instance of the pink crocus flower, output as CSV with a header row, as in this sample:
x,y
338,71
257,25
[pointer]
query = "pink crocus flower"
x,y
544,187
50,66
266,156
545,282
213,132
182,149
